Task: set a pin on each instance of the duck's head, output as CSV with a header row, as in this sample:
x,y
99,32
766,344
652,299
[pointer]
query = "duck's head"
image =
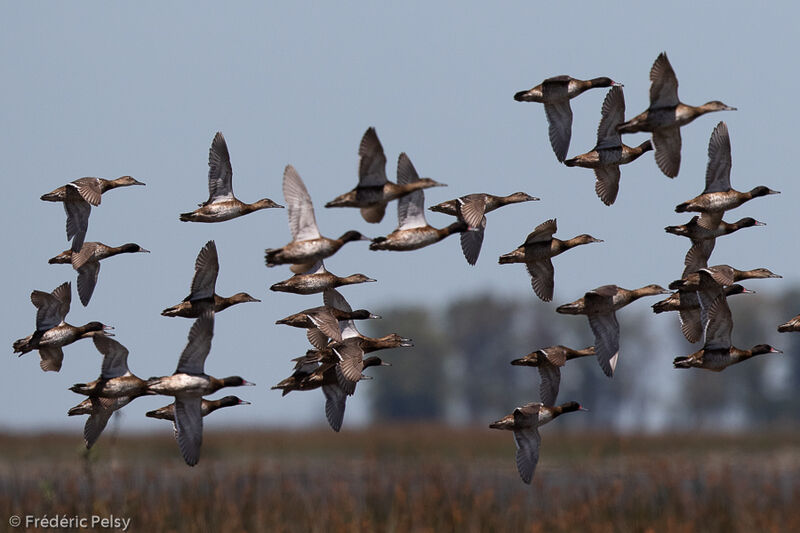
x,y
716,105
236,381
241,297
228,401
127,180
748,222
428,182
762,191
132,247
266,203
760,349
374,360
353,235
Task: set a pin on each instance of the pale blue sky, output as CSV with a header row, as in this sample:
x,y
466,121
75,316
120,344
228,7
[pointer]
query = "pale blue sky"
x,y
99,89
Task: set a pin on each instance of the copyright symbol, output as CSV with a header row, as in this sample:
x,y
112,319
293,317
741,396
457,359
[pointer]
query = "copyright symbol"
x,y
14,521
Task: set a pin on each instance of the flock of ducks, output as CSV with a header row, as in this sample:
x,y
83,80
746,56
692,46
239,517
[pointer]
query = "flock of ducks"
x,y
700,296
338,356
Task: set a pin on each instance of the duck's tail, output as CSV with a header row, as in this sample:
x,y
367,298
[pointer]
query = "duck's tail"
x,y
187,217
682,362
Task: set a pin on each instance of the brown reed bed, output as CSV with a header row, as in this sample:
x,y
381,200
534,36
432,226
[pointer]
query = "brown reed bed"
x,y
410,478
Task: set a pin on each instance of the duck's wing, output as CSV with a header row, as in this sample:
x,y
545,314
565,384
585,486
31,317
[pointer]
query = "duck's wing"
x,y
542,278
102,409
85,254
411,206
471,209
527,439
550,376
607,185
115,357
220,172
350,366
698,255
371,162
604,326
613,114
193,357
559,120
374,213
89,189
335,401
471,242
189,426
51,358
87,279
317,338
333,298
302,222
719,325
543,232
206,269
722,274
718,171
78,211
664,84
710,221
691,324
51,308
667,145
327,324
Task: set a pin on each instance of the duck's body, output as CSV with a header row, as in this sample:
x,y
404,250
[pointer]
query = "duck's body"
x,y
345,329
704,239
619,299
489,203
666,115
78,197
115,380
335,386
403,240
525,422
193,309
317,280
325,318
189,383
52,332
555,93
536,252
548,361
90,188
722,274
206,407
310,251
87,263
719,359
308,246
716,203
600,306
99,410
222,210
222,204
202,296
374,191
472,209
609,152
687,303
413,231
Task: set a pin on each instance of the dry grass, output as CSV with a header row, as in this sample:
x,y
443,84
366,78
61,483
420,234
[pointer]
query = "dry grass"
x,y
412,478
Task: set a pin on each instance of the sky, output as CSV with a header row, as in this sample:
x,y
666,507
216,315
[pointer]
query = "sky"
x,y
99,89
